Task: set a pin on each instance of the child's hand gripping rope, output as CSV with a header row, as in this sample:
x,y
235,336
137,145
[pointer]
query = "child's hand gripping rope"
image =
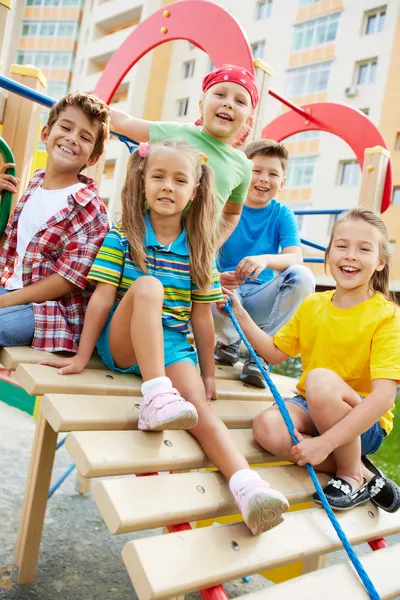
x,y
233,307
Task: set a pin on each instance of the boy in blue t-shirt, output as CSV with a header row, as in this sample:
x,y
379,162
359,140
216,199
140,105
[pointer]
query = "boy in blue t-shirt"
x,y
265,240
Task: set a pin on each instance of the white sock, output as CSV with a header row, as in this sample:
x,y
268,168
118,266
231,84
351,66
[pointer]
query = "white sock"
x,y
152,384
242,478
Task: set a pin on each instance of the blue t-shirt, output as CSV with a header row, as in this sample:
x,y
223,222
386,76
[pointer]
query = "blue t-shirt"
x,y
266,230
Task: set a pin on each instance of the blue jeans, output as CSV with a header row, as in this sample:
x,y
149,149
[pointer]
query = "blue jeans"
x,y
270,304
17,324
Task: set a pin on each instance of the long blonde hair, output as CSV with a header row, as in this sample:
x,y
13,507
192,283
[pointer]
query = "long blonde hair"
x,y
379,281
198,220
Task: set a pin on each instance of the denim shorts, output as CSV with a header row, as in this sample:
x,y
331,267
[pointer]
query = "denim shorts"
x,y
371,439
176,349
17,324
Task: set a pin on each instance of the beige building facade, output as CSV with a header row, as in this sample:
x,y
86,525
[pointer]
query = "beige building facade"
x,y
345,51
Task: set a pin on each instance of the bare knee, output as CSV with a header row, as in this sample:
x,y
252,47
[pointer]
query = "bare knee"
x,y
320,385
270,432
147,288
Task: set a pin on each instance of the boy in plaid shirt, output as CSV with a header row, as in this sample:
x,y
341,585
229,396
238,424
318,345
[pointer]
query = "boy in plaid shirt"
x,y
55,232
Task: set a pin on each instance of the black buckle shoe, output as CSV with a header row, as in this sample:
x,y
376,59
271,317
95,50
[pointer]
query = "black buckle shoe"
x,y
340,495
384,492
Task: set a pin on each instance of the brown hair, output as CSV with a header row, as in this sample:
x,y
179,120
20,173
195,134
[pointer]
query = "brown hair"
x,y
380,279
97,111
268,148
199,220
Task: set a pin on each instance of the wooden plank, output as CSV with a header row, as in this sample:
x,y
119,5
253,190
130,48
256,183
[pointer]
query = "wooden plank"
x,y
35,500
74,412
39,379
376,161
105,453
341,580
132,503
12,356
180,563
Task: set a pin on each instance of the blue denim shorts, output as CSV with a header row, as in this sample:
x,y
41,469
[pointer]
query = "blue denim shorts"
x,y
371,439
176,349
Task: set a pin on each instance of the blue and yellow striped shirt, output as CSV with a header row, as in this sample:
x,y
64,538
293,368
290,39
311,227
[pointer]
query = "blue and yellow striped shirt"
x,y
169,264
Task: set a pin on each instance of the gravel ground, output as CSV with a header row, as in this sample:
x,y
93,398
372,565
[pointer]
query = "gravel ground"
x,y
79,559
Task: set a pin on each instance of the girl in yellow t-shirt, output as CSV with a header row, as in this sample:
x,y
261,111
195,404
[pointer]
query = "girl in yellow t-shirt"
x,y
349,343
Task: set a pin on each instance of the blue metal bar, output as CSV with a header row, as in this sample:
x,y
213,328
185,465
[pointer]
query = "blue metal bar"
x,y
336,211
29,94
61,442
60,481
309,259
312,244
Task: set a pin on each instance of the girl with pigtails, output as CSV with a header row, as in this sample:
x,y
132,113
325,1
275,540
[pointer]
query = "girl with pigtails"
x,y
154,274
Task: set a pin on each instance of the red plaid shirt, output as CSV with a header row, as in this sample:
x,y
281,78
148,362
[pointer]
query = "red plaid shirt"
x,y
67,244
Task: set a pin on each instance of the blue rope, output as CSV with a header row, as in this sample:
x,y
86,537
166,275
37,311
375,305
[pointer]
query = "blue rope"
x,y
369,586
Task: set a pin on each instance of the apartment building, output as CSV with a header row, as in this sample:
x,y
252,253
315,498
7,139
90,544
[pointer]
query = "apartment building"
x,y
44,33
345,51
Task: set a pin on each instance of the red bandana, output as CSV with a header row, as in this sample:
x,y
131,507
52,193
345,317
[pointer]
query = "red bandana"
x,y
234,74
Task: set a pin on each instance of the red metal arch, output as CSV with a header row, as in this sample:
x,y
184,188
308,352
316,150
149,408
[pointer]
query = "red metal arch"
x,y
198,21
349,124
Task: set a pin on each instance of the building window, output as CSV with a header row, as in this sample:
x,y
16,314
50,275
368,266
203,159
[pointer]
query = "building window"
x,y
349,172
60,29
306,2
53,3
61,60
375,21
300,172
188,68
182,107
366,71
258,49
263,9
308,80
304,135
398,143
56,89
316,32
396,196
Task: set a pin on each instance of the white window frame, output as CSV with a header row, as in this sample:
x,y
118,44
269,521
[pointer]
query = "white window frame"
x,y
312,134
37,58
35,29
182,107
188,68
307,2
379,14
263,9
258,49
308,32
310,79
370,67
349,173
300,171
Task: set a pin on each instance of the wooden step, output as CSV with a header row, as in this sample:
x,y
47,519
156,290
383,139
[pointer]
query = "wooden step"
x,y
135,503
341,581
75,412
40,379
184,562
106,453
12,356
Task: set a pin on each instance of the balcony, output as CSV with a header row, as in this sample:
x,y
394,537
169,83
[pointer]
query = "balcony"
x,y
102,49
115,13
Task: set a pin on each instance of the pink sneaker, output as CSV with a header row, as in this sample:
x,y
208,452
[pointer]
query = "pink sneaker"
x,y
261,506
166,409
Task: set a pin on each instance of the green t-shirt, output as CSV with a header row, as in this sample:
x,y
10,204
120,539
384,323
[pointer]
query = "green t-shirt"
x,y
232,169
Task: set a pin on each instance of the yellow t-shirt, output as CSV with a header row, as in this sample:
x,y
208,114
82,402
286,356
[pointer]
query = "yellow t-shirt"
x,y
360,344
